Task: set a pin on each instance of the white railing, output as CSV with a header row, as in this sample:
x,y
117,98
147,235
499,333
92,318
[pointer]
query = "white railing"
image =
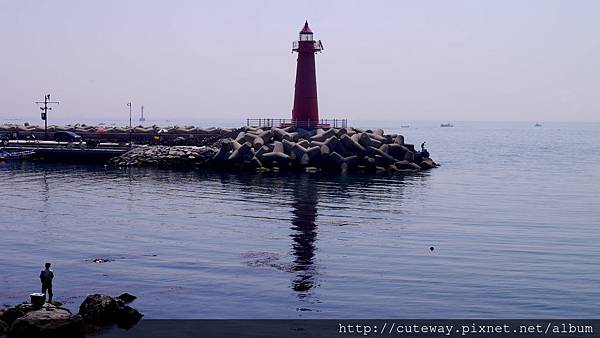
x,y
317,46
322,123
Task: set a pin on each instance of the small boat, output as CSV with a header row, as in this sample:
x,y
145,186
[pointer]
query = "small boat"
x,y
405,126
15,155
446,125
537,125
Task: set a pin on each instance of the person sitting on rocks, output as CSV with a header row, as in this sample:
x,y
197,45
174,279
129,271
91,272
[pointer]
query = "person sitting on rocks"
x,y
424,152
46,277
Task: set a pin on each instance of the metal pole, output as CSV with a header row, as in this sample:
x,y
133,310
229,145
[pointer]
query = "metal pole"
x,y
46,119
46,102
129,104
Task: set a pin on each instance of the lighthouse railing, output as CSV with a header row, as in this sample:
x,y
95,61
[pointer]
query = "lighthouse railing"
x,y
317,45
273,122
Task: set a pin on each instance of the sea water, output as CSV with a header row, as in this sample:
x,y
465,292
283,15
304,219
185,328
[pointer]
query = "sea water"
x,y
512,215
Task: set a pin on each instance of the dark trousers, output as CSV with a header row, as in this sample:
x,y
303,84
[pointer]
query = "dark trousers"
x,y
47,287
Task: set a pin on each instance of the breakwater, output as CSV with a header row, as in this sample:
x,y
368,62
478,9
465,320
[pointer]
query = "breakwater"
x,y
291,149
181,135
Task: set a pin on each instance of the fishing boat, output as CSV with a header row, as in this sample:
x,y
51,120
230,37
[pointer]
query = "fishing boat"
x,y
15,155
537,125
446,125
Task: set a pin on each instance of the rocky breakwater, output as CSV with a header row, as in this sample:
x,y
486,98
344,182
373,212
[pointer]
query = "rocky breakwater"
x,y
165,156
293,149
97,311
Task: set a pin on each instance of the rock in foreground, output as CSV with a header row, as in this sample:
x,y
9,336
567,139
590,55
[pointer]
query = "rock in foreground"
x,y
25,320
3,328
102,310
47,322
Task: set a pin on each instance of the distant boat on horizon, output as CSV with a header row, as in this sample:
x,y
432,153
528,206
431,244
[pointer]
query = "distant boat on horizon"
x,y
405,126
537,125
446,125
142,119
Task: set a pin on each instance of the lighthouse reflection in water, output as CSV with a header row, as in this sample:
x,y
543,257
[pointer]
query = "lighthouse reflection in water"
x,y
304,236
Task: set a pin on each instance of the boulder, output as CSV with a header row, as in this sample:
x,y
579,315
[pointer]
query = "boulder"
x,y
313,152
340,132
3,328
335,160
298,154
379,138
103,310
351,144
427,163
252,164
261,151
47,322
323,136
278,147
304,143
399,139
11,314
387,159
367,141
397,151
294,136
223,152
406,165
240,137
99,309
288,146
266,136
235,145
127,297
332,142
280,134
369,163
258,143
342,150
276,159
245,152
250,138
352,161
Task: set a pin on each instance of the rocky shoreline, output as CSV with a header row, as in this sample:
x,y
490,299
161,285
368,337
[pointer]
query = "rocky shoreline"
x,y
27,320
290,149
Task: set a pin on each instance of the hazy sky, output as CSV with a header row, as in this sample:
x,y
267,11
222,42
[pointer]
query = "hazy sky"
x,y
400,60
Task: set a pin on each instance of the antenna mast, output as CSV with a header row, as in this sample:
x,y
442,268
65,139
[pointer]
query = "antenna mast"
x,y
45,109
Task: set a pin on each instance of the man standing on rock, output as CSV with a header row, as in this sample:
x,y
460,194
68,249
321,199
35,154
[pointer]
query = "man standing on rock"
x,y
46,277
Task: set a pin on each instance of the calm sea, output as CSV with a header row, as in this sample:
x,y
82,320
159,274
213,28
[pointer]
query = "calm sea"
x,y
513,215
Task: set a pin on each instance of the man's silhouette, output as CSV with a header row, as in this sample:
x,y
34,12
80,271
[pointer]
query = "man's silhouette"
x,y
46,277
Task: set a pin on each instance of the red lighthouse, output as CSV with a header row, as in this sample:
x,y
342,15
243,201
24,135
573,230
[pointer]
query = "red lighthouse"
x,y
306,108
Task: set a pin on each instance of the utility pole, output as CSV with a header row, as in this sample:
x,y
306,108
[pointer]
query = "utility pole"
x,y
130,126
45,108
